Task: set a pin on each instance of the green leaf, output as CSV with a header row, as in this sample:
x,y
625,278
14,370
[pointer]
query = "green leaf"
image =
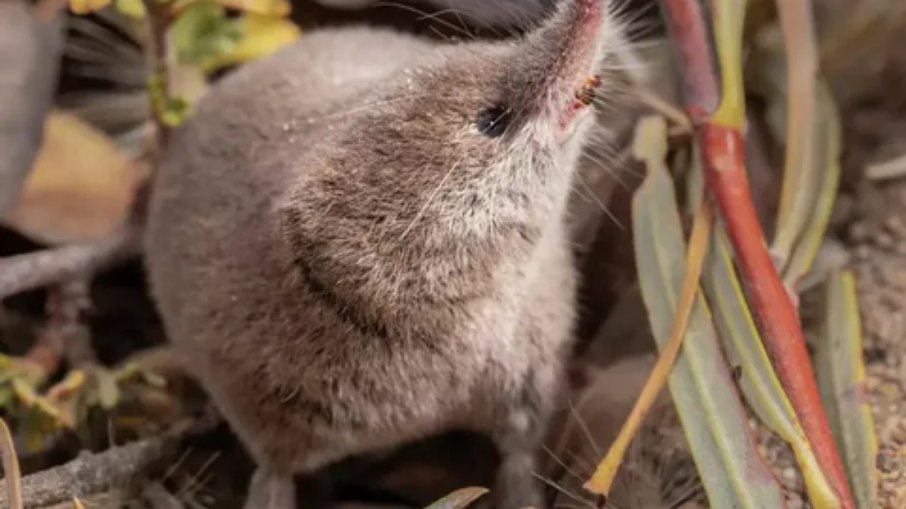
x,y
172,111
841,381
811,187
759,382
260,35
743,344
713,418
132,8
6,395
108,390
203,33
459,499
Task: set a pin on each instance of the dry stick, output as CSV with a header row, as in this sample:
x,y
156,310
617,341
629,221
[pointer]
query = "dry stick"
x,y
10,467
64,333
90,473
665,108
36,270
723,154
71,306
604,475
159,17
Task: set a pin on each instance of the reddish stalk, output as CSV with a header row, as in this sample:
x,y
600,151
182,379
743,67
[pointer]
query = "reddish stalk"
x,y
774,312
722,148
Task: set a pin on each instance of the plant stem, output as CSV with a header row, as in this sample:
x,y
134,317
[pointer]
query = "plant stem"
x,y
722,149
10,467
773,309
606,471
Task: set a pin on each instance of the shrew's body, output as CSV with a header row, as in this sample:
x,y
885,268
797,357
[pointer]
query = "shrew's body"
x,y
360,241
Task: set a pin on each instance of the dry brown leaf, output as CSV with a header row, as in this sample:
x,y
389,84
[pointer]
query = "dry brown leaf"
x,y
80,188
29,52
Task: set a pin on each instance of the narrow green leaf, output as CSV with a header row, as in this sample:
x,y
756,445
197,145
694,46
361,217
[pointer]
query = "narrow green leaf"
x,y
812,189
743,345
827,139
459,499
713,418
759,382
841,380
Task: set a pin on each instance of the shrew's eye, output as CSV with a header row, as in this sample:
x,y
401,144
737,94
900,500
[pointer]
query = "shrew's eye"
x,y
493,122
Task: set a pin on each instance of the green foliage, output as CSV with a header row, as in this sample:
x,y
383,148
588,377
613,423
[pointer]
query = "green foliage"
x,y
171,111
702,387
42,414
841,379
203,34
131,8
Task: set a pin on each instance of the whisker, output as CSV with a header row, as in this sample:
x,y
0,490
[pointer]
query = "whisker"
x,y
584,427
427,16
563,490
362,108
563,464
586,464
594,198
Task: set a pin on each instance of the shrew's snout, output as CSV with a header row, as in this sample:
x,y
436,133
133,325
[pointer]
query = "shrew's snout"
x,y
561,58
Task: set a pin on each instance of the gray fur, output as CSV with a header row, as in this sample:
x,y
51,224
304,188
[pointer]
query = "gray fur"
x,y
347,264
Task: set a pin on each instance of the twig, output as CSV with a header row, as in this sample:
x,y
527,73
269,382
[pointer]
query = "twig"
x,y
720,138
659,105
159,18
887,170
604,475
10,467
90,473
35,270
162,360
71,304
65,332
686,23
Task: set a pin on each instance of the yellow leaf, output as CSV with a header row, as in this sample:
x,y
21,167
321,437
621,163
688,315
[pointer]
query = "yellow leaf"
x,y
280,8
81,186
67,387
261,36
87,6
459,499
131,8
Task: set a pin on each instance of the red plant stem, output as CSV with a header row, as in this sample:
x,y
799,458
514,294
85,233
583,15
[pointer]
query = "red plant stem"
x,y
689,31
723,152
